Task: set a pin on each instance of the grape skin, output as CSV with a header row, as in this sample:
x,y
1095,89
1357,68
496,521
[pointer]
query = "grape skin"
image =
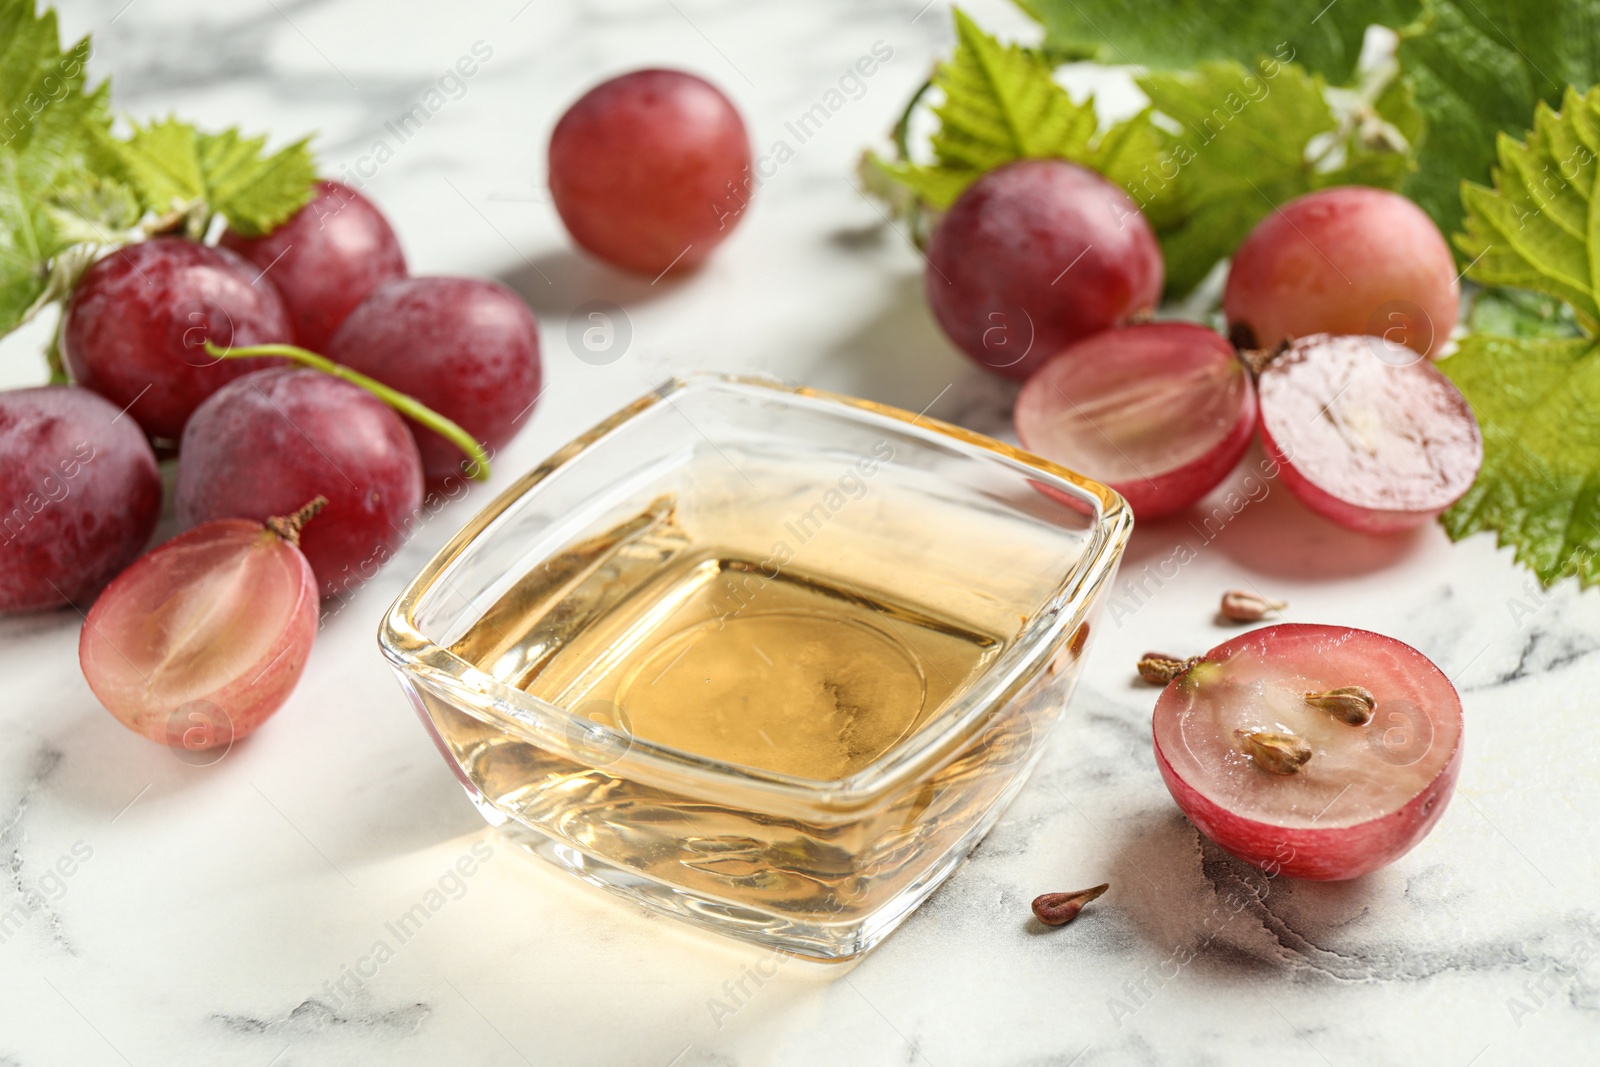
x,y
325,260
80,494
466,347
1348,260
211,629
1035,255
137,324
651,170
1159,411
265,444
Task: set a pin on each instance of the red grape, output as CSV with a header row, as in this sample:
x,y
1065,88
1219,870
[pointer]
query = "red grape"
x,y
80,493
1161,412
1369,444
1036,255
465,347
1365,791
266,443
204,637
325,260
138,321
651,170
1344,261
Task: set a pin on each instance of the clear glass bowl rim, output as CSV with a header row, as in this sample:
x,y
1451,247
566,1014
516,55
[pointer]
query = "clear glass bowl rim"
x,y
538,722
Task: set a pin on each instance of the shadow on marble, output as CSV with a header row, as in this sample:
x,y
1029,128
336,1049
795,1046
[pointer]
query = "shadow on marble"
x,y
1259,525
1198,905
557,283
899,356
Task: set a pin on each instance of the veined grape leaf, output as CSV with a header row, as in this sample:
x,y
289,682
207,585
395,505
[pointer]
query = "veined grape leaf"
x,y
1002,103
1239,148
49,132
35,72
1533,230
1478,67
1538,399
1539,489
171,165
1324,37
1519,313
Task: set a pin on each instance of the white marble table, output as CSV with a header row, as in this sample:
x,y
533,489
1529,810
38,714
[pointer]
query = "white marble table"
x,y
230,914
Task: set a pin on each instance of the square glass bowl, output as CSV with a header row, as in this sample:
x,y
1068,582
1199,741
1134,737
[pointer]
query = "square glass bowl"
x,y
769,660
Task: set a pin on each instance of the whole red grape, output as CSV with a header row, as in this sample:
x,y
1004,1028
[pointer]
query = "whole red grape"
x,y
265,444
1350,260
465,347
1035,255
79,495
139,319
651,170
325,260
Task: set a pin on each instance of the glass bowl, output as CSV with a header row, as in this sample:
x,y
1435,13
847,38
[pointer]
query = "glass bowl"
x,y
769,660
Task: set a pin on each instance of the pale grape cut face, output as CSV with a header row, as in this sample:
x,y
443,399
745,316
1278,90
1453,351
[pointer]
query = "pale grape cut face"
x,y
1372,445
1035,255
1349,260
651,170
325,260
1161,412
136,327
1367,794
211,628
79,495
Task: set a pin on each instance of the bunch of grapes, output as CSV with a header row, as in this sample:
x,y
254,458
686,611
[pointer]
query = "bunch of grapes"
x,y
1334,304
1043,270
313,392
176,345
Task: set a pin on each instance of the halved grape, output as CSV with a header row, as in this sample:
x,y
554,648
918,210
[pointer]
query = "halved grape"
x,y
651,170
1035,255
138,321
1160,411
79,495
1345,798
1369,444
204,637
466,347
1350,260
265,443
325,260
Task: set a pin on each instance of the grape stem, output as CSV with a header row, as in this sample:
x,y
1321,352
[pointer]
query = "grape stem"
x,y
408,406
288,527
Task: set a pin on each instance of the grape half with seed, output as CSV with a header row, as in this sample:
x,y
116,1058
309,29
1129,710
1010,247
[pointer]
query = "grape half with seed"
x,y
1249,749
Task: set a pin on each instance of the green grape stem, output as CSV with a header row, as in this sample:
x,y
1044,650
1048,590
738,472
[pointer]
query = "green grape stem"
x,y
408,406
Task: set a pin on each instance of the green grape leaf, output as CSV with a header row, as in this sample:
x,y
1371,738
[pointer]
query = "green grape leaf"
x,y
174,167
1539,489
1519,313
51,129
1533,229
1237,147
1002,103
1163,34
1478,67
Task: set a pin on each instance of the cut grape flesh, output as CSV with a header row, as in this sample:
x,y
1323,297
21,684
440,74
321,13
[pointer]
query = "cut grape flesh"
x,y
1366,795
1160,411
204,637
1368,443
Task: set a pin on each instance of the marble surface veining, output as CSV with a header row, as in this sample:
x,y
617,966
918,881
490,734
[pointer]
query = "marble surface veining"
x,y
157,912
